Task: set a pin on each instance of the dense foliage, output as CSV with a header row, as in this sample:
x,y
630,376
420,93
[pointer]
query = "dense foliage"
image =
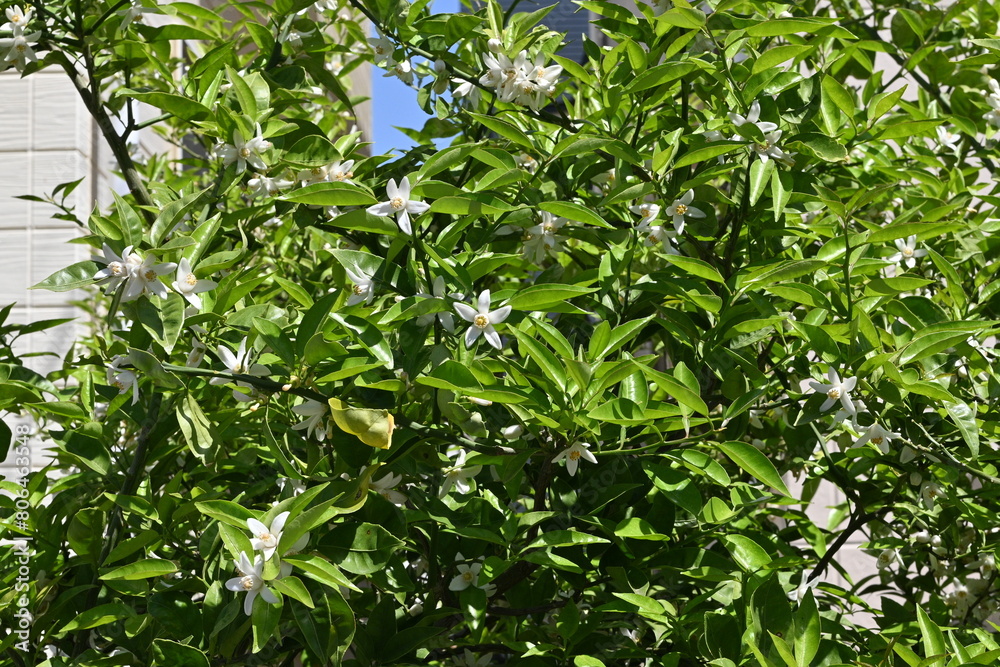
x,y
558,385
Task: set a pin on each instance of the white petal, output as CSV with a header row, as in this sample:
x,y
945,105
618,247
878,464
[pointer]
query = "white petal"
x,y
268,596
471,334
383,209
390,189
403,220
256,527
278,524
404,187
484,302
493,337
466,312
417,207
499,315
248,603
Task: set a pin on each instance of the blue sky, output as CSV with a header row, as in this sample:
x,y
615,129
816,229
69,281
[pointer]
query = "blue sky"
x,y
395,103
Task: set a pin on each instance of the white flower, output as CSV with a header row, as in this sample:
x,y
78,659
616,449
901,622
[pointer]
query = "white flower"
x,y
681,209
399,204
657,235
947,137
20,53
143,277
929,493
908,252
878,436
266,538
648,211
188,286
468,575
17,20
362,289
542,239
382,47
239,364
468,90
314,413
115,269
573,454
294,37
483,320
403,71
265,186
251,582
243,151
526,162
438,291
457,475
385,487
836,390
769,148
134,12
887,558
714,135
196,355
123,378
805,586
753,118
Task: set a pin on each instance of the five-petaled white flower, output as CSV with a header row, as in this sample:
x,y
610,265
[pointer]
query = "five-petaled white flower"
x,y
929,493
143,275
243,151
753,118
115,271
649,211
837,390
362,288
768,148
948,137
573,454
239,364
17,20
468,575
908,252
482,320
265,186
314,413
122,378
681,209
542,239
385,487
20,53
251,582
658,235
878,436
266,538
457,475
887,558
188,286
399,204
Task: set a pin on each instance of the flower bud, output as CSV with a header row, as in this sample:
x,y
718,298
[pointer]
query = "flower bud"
x,y
494,45
513,432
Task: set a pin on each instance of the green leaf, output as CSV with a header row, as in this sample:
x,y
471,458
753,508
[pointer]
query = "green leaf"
x,y
545,296
695,267
129,221
638,529
839,95
321,570
331,194
176,105
248,103
792,26
749,555
676,390
98,616
277,339
934,644
659,75
565,538
72,277
704,153
146,568
881,104
504,129
169,653
964,416
751,460
778,55
760,175
806,626
906,128
825,148
226,511
294,588
575,212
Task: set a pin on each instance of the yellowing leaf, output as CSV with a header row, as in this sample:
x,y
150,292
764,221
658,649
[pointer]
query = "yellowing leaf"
x,y
373,427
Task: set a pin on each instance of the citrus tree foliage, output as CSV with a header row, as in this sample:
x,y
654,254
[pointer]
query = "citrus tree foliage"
x,y
558,385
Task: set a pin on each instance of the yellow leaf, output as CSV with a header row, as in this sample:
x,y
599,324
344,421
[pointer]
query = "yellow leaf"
x,y
372,427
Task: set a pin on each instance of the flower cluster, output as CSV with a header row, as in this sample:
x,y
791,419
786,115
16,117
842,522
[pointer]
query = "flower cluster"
x,y
140,275
266,539
520,80
18,46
